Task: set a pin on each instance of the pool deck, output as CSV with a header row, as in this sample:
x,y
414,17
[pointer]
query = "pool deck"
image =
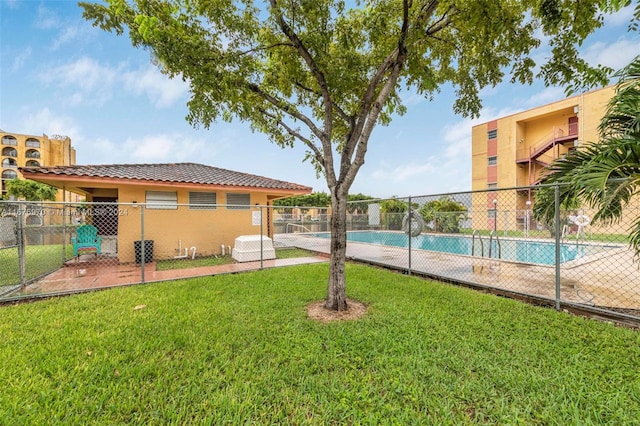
x,y
609,279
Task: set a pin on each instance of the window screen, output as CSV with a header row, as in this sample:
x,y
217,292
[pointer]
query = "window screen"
x,y
162,200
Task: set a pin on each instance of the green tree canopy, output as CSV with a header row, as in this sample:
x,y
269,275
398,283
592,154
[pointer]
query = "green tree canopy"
x,y
324,73
445,213
30,190
316,199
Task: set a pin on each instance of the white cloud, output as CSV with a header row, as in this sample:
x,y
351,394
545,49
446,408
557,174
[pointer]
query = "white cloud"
x,y
547,95
165,148
46,19
159,88
615,55
92,83
49,123
622,17
19,60
69,33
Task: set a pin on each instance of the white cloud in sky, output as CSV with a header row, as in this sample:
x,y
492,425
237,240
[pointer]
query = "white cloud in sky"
x,y
50,123
94,84
547,95
165,148
68,34
46,19
20,59
615,55
159,88
622,17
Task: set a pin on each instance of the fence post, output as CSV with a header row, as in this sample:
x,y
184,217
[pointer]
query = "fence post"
x,y
143,256
409,237
20,239
64,233
556,226
261,244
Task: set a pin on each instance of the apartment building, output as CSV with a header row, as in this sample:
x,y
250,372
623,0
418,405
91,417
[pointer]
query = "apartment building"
x,y
18,150
512,151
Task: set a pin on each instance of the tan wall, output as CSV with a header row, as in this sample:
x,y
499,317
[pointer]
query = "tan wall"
x,y
206,230
519,133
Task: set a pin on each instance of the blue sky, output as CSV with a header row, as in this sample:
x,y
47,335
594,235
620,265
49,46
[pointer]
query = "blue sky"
x,y
59,75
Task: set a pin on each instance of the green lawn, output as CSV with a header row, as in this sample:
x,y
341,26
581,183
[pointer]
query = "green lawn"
x,y
239,349
40,259
163,265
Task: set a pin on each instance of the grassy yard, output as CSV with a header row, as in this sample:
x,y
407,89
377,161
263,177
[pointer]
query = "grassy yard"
x,y
40,259
163,265
239,349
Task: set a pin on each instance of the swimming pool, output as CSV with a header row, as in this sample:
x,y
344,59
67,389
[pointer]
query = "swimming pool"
x,y
526,251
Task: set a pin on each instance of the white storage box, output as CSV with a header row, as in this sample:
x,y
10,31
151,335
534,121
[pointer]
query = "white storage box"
x,y
247,248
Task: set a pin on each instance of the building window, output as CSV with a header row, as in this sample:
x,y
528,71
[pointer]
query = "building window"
x,y
493,160
32,153
202,200
9,162
162,200
9,140
32,163
237,201
32,143
7,175
492,134
9,152
492,186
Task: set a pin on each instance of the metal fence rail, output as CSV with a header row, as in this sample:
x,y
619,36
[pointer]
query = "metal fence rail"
x,y
485,239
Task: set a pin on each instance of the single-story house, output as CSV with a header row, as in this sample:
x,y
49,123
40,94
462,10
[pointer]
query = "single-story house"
x,y
185,204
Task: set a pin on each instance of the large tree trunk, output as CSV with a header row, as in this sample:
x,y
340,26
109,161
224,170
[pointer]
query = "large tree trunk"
x,y
336,290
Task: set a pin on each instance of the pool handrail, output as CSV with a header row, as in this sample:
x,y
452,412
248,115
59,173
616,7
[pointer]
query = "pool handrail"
x,y
295,225
491,245
473,245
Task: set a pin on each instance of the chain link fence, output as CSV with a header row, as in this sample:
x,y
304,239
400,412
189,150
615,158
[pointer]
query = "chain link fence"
x,y
484,239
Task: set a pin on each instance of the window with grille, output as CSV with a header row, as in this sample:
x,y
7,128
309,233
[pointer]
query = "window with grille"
x,y
493,160
237,201
492,134
162,200
33,143
202,200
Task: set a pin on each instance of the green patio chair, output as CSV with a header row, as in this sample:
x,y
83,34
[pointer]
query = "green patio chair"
x,y
86,240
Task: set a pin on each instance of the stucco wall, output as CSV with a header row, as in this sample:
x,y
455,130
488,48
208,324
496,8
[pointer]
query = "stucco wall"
x,y
206,230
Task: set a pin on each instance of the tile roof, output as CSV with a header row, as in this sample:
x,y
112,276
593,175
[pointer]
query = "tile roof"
x,y
191,173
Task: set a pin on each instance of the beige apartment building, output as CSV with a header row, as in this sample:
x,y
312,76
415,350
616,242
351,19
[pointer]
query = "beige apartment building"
x,y
512,151
18,150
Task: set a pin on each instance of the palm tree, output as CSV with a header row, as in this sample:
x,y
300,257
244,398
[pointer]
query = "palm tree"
x,y
605,175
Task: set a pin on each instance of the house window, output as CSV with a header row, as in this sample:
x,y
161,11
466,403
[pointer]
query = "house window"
x,y
32,143
7,175
493,160
9,162
32,163
162,200
9,140
202,200
492,186
492,134
9,152
32,153
237,201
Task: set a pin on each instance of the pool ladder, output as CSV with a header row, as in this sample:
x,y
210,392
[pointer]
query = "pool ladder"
x,y
497,242
473,244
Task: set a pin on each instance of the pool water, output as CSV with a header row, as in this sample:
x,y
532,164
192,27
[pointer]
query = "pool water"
x,y
526,251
